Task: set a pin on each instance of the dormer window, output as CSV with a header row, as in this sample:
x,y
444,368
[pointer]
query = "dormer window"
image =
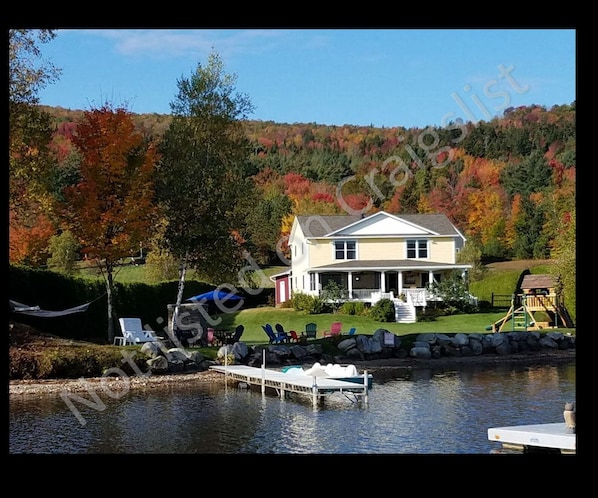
x,y
345,249
417,249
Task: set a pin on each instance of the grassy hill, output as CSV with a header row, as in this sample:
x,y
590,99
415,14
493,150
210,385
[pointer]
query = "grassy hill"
x,y
501,278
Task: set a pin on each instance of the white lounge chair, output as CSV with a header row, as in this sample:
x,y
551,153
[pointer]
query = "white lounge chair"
x,y
134,333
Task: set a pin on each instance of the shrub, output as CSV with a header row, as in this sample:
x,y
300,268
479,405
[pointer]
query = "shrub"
x,y
70,362
354,308
333,294
348,308
383,311
308,304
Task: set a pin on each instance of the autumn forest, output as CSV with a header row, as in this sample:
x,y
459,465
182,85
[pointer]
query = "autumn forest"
x,y
507,184
212,186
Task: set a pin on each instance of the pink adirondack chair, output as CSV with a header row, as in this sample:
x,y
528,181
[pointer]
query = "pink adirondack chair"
x,y
210,336
335,329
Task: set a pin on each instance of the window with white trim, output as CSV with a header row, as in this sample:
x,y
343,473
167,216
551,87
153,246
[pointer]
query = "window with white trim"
x,y
345,249
417,249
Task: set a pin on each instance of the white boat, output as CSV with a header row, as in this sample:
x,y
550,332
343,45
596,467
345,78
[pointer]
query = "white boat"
x,y
336,371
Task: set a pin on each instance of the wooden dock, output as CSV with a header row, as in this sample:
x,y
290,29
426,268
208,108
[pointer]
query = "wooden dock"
x,y
535,437
316,387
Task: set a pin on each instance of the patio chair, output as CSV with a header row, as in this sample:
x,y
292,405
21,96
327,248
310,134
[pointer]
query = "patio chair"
x,y
352,331
210,337
335,329
134,333
310,331
281,334
238,333
293,336
270,332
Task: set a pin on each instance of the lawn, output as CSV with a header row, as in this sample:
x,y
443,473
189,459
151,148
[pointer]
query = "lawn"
x,y
253,319
500,279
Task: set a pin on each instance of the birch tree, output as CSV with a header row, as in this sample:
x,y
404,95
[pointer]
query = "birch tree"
x,y
200,180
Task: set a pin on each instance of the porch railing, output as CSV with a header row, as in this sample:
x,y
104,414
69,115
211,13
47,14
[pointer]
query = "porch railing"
x,y
364,294
416,296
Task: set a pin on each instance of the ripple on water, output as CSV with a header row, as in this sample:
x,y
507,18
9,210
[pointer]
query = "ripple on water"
x,y
420,413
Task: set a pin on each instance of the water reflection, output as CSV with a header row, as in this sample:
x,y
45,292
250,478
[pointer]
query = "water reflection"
x,y
419,411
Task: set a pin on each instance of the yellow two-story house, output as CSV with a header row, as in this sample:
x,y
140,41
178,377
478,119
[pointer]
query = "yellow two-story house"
x,y
374,257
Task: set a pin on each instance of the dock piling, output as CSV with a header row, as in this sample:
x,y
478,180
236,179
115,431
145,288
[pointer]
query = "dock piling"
x,y
264,371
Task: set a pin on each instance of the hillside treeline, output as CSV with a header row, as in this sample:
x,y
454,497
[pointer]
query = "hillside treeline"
x,y
507,184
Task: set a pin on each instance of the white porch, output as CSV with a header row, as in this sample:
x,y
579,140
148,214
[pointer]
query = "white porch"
x,y
408,289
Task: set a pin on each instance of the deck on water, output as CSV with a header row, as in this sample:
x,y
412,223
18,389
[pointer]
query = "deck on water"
x,y
535,437
316,387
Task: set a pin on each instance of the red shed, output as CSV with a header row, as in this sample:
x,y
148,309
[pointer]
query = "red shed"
x,y
282,283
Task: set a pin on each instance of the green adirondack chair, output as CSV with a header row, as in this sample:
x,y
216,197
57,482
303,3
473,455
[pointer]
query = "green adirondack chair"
x,y
310,331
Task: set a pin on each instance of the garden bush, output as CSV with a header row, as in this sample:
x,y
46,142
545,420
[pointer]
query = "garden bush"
x,y
354,308
383,311
308,304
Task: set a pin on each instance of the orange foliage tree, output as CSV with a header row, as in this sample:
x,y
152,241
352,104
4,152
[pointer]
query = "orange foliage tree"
x,y
28,242
110,209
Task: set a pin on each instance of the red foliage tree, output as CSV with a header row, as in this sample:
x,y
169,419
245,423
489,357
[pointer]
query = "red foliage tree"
x,y
110,210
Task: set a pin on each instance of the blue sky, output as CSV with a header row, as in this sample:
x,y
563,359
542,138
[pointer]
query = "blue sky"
x,y
379,77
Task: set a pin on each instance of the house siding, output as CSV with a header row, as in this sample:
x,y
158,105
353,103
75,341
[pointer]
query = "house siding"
x,y
322,250
442,250
383,248
301,259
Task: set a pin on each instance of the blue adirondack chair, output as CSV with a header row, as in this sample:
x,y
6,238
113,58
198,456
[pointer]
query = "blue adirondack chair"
x,y
281,335
270,332
238,333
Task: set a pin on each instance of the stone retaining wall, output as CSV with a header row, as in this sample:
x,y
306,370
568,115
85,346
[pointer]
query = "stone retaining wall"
x,y
381,345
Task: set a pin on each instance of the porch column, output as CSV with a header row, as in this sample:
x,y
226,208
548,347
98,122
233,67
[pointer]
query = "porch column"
x,y
350,284
430,277
383,281
400,282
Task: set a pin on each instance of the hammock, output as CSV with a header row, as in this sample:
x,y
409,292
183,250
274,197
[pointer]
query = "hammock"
x,y
37,311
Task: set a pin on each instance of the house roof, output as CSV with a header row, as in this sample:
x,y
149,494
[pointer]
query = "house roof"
x,y
388,264
542,281
281,274
325,225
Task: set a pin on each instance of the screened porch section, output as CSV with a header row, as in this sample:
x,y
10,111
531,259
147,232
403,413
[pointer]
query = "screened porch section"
x,y
371,286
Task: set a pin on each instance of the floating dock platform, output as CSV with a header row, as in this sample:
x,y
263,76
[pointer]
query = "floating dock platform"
x,y
316,387
538,437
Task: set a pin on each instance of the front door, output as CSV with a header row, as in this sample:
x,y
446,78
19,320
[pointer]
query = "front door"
x,y
282,290
392,282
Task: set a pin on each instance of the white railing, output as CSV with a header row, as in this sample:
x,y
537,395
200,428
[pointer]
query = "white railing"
x,y
416,296
363,294
375,296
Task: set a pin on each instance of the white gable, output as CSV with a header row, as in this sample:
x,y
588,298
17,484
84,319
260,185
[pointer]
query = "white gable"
x,y
381,225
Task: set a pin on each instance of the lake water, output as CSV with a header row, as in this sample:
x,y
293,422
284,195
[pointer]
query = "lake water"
x,y
409,412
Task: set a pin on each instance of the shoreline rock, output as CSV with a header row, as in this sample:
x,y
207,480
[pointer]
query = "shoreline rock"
x,y
38,387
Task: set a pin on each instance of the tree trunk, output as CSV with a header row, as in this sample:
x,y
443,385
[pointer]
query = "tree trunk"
x,y
109,283
179,296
